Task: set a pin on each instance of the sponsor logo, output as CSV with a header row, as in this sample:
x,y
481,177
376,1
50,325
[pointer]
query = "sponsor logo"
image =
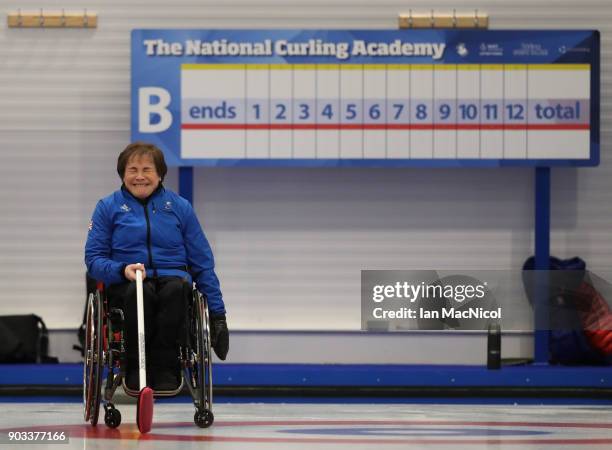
x,y
530,49
565,49
462,49
488,49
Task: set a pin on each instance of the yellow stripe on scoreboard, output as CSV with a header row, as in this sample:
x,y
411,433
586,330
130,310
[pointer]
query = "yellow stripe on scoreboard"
x,y
386,67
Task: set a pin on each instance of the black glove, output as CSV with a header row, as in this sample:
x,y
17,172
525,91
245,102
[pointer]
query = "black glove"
x,y
219,336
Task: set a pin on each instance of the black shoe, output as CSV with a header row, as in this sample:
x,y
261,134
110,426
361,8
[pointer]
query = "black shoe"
x,y
165,379
132,380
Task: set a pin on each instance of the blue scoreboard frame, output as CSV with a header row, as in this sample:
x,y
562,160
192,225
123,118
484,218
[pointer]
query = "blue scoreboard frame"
x,y
159,57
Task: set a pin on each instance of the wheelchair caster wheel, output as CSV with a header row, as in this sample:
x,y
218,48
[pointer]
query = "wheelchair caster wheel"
x,y
112,418
204,418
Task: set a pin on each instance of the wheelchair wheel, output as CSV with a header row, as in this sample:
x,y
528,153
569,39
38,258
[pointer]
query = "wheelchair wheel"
x,y
93,361
203,417
112,416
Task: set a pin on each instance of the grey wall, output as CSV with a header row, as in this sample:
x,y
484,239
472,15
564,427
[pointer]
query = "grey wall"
x,y
289,243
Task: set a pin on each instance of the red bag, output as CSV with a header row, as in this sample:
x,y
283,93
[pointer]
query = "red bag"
x,y
596,318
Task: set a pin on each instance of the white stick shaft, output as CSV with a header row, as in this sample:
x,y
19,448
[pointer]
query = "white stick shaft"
x,y
142,358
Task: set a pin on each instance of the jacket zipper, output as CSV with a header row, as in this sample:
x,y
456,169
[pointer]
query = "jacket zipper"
x,y
146,211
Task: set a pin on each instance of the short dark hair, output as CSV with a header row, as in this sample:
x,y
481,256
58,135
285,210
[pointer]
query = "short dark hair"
x,y
138,149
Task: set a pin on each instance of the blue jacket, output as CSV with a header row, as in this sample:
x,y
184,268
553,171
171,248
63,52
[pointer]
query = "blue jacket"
x,y
164,234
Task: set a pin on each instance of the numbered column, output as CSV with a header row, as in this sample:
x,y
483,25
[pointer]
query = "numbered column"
x,y
328,106
515,111
421,117
468,111
491,111
398,111
351,108
304,111
374,111
257,114
281,111
445,111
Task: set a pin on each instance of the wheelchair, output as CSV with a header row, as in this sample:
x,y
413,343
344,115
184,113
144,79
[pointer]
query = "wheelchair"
x,y
104,355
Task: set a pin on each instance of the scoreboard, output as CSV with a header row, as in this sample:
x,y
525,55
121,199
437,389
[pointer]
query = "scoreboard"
x,y
367,98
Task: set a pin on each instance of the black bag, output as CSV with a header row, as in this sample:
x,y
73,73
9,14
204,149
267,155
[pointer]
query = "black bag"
x,y
24,339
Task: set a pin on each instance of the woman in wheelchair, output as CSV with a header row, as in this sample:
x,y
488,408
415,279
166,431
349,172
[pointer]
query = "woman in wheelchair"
x,y
145,226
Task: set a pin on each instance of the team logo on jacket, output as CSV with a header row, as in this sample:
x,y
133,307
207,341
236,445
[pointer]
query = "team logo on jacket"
x,y
125,208
168,206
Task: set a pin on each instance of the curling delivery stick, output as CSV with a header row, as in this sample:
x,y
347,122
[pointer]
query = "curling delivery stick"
x,y
144,410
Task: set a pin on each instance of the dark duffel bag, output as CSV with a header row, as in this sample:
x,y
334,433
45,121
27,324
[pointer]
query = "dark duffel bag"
x,y
24,339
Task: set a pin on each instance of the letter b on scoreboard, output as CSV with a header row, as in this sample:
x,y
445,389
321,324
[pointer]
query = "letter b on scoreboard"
x,y
154,115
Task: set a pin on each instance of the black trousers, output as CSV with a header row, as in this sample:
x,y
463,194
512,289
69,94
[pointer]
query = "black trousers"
x,y
164,314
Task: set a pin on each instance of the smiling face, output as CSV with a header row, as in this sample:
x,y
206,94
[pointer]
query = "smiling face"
x,y
140,176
